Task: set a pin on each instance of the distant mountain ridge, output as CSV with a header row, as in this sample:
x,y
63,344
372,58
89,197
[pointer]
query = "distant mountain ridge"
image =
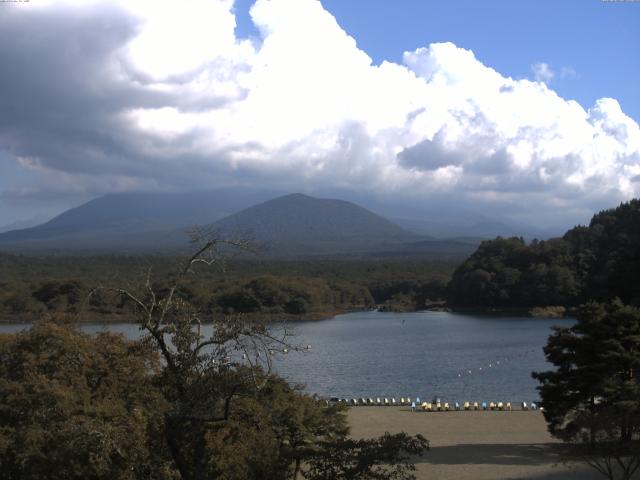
x,y
289,225
22,224
303,223
133,220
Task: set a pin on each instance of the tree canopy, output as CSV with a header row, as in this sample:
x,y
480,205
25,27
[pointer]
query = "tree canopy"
x,y
592,398
74,406
309,289
176,404
597,262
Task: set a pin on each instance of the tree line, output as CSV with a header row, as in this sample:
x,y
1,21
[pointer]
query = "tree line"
x,y
32,286
595,262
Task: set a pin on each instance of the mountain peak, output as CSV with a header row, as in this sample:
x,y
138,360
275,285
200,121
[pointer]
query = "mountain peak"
x,y
296,196
305,223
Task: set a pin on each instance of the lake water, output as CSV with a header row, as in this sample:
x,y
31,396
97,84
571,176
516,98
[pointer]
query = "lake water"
x,y
425,354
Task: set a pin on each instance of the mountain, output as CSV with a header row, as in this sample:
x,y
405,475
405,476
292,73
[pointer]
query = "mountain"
x,y
132,220
20,224
297,223
470,226
290,225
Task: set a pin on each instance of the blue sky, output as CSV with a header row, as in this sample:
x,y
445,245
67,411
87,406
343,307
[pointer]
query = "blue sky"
x,y
464,102
595,39
597,42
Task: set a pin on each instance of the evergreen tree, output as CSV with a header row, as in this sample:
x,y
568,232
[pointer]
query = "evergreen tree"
x,y
592,398
597,262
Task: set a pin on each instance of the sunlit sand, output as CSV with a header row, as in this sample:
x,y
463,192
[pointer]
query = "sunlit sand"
x,y
475,445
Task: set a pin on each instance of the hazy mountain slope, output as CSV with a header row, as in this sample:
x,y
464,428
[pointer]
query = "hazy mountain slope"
x,y
291,225
471,227
26,223
296,223
133,219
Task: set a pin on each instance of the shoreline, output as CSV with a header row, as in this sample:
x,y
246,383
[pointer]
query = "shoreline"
x,y
549,311
93,318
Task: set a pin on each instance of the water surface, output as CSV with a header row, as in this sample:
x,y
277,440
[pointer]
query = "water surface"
x,y
425,354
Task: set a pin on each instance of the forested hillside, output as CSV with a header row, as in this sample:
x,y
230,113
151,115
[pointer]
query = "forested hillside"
x,y
598,262
31,286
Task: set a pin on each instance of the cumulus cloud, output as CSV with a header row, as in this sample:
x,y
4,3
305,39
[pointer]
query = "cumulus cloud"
x,y
112,96
542,72
568,72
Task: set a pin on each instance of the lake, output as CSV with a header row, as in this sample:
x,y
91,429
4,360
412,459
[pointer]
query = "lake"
x,y
425,354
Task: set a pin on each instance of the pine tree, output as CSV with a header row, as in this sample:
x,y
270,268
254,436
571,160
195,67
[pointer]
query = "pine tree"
x,y
592,399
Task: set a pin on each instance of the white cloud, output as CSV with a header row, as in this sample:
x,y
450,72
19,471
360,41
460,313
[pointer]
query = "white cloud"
x,y
542,72
568,72
308,107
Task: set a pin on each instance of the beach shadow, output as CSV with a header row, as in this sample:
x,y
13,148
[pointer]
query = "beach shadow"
x,y
576,473
497,454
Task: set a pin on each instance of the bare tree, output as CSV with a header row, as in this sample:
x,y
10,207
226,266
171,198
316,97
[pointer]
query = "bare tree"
x,y
215,386
204,373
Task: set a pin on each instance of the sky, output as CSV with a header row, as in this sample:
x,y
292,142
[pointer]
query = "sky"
x,y
523,111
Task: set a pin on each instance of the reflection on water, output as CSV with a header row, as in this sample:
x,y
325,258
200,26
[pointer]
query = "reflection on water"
x,y
382,354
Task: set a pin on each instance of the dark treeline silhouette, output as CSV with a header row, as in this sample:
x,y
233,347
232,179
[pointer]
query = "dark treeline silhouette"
x,y
596,262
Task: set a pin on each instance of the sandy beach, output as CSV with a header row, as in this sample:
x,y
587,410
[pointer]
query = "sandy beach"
x,y
475,445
